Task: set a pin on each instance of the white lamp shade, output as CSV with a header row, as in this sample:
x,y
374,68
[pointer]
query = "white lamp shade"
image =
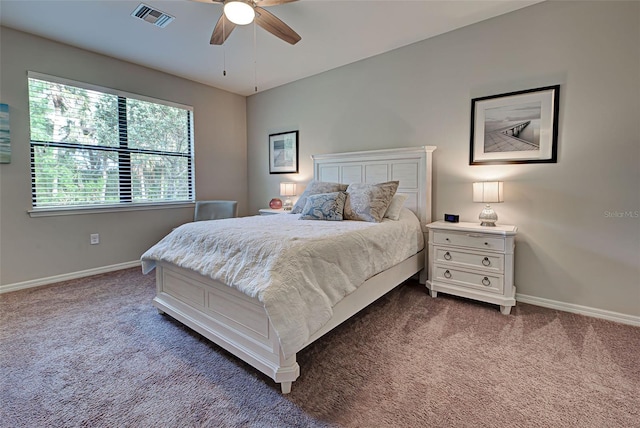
x,y
239,12
488,191
287,189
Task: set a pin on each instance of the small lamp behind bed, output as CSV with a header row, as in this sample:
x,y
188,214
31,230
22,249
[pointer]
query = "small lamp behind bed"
x,y
287,190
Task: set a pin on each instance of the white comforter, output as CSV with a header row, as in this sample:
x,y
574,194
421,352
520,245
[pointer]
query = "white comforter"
x,y
299,269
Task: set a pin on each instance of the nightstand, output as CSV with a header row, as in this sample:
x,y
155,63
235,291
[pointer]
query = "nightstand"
x,y
271,211
473,261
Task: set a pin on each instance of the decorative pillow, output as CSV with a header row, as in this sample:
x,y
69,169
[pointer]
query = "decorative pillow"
x,y
393,212
369,202
314,188
324,206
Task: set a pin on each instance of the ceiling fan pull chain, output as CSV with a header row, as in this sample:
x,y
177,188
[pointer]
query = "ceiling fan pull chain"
x,y
255,60
224,50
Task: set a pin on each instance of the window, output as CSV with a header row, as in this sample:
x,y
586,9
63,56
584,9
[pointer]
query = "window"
x,y
96,147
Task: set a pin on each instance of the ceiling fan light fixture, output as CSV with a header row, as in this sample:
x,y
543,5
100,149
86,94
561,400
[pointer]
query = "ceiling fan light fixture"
x,y
239,12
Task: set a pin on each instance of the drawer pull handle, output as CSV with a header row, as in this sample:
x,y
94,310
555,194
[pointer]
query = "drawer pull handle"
x,y
486,243
486,282
447,239
486,262
447,274
447,256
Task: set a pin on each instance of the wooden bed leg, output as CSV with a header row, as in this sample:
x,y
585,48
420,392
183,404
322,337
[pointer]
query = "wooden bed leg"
x,y
286,387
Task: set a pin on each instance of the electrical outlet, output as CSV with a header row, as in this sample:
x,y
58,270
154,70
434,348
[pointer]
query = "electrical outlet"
x,y
94,238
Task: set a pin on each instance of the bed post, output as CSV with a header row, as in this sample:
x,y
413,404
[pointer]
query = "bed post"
x,y
426,207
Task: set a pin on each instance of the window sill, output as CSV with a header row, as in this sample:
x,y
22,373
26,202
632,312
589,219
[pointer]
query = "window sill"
x,y
57,211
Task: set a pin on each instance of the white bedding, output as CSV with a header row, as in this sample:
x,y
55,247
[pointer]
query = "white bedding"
x,y
299,269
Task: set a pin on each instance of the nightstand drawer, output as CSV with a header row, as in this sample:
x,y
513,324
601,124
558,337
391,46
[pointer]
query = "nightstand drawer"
x,y
478,260
489,282
470,239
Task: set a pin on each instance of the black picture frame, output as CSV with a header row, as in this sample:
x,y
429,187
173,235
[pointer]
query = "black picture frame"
x,y
516,127
283,153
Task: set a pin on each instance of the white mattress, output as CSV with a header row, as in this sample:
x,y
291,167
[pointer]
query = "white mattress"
x,y
299,269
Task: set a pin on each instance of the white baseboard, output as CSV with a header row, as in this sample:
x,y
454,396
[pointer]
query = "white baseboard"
x,y
532,300
578,309
67,276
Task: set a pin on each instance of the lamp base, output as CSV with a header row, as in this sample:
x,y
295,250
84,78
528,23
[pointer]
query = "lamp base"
x,y
488,217
287,205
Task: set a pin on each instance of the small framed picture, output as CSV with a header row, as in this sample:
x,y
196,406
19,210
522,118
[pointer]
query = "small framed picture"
x,y
517,127
283,153
5,141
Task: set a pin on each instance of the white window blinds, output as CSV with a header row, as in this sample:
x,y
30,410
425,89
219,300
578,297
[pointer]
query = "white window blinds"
x,y
93,146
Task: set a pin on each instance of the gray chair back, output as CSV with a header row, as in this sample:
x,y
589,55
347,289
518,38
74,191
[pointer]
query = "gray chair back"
x,y
214,210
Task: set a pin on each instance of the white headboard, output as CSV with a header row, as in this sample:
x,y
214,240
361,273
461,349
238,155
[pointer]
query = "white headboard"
x,y
411,166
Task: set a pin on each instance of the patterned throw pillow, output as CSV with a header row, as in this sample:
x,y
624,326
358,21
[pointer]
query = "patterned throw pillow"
x,y
324,206
369,202
314,188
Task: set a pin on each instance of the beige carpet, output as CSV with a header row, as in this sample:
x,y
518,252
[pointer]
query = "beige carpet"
x,y
94,352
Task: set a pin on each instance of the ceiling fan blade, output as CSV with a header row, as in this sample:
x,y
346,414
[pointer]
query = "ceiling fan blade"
x,y
268,2
275,26
224,27
210,1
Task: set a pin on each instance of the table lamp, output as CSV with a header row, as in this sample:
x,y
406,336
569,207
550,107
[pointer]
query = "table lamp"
x,y
488,192
287,190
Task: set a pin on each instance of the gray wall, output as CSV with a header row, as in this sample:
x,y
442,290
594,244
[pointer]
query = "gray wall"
x,y
34,248
568,249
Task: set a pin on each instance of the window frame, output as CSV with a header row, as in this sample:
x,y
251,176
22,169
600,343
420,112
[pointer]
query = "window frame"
x,y
125,205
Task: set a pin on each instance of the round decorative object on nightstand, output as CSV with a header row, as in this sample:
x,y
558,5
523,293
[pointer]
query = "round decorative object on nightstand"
x,y
275,203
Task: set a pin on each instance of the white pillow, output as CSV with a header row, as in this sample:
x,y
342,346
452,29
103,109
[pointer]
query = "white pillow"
x,y
393,212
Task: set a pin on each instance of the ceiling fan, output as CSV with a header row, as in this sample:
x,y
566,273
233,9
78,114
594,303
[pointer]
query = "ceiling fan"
x,y
242,12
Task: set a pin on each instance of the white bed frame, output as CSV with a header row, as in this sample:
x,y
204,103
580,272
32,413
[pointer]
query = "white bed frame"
x,y
240,324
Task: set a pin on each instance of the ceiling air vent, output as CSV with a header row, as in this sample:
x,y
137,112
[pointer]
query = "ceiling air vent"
x,y
152,16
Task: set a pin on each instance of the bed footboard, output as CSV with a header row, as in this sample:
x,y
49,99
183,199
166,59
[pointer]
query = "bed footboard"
x,y
225,316
240,324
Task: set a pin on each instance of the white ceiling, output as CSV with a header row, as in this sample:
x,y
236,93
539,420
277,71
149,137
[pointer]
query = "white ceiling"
x,y
334,33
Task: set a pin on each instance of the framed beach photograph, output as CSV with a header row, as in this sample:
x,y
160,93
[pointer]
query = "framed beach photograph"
x,y
5,141
517,127
283,153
